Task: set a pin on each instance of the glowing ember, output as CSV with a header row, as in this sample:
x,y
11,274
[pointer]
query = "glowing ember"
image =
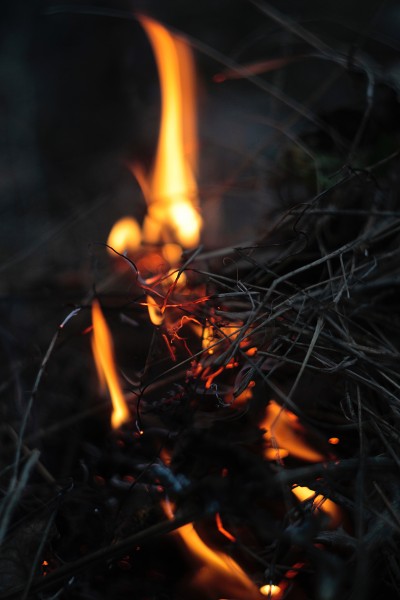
x,y
125,235
103,351
171,190
303,493
284,430
334,441
222,529
218,573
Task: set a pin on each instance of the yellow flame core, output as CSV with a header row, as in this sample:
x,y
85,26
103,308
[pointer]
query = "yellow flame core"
x,y
171,191
103,351
125,235
155,314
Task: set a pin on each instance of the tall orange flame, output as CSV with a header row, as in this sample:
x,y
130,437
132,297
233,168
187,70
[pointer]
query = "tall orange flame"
x,y
172,187
103,352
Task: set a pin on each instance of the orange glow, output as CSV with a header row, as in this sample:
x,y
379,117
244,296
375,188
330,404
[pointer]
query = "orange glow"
x,y
208,339
212,335
103,351
166,456
156,316
125,235
334,441
172,279
171,190
218,573
172,253
275,453
284,430
320,503
252,351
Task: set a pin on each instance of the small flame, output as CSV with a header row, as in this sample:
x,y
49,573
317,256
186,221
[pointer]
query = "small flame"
x,y
172,253
213,335
218,573
284,430
155,314
320,502
125,235
171,190
103,351
270,590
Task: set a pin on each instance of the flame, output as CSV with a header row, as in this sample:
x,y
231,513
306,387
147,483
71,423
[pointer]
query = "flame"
x,y
155,314
103,352
172,253
320,503
218,573
286,435
284,430
125,235
171,190
270,590
213,335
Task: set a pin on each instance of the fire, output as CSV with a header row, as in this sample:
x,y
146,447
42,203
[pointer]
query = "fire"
x,y
218,575
270,590
125,235
172,189
212,335
320,503
284,430
155,313
287,436
103,352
